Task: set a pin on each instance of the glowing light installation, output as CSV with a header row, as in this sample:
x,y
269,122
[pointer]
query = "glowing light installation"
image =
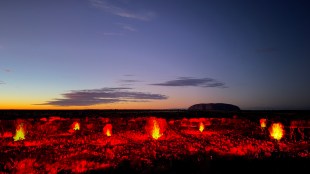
x,y
156,130
20,133
201,126
263,122
76,126
107,130
276,131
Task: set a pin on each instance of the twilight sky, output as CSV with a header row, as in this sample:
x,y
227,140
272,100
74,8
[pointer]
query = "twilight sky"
x,y
154,54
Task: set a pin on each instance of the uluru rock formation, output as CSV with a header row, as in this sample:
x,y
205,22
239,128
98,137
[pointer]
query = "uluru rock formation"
x,y
214,107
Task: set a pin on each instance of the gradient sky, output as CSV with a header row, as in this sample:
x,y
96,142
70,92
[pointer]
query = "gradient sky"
x,y
159,54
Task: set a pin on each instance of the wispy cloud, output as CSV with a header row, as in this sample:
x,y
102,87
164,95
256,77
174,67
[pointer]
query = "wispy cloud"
x,y
103,96
129,28
130,81
189,81
129,75
7,70
126,27
2,82
112,34
111,7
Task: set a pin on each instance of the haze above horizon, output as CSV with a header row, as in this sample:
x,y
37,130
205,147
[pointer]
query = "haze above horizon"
x,y
136,54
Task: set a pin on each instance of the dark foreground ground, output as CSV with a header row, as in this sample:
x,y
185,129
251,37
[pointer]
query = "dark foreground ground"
x,y
229,143
233,165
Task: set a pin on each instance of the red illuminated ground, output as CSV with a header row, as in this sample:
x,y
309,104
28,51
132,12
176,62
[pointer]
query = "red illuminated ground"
x,y
55,145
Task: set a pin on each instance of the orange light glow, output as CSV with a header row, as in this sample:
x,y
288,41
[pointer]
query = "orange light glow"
x,y
276,131
156,130
262,122
20,133
107,130
201,126
76,126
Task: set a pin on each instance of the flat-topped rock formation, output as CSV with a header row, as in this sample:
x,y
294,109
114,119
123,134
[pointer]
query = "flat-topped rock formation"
x,y
214,107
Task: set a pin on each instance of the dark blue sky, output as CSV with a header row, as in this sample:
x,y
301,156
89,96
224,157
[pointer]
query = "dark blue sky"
x,y
154,54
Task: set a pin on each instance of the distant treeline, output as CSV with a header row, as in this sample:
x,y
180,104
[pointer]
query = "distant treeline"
x,y
249,114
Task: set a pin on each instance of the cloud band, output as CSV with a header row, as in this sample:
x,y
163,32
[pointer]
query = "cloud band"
x,y
103,96
197,82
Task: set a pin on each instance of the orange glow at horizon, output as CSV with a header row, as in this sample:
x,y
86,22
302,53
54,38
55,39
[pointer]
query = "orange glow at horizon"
x,y
20,133
276,131
156,130
107,130
28,104
201,126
